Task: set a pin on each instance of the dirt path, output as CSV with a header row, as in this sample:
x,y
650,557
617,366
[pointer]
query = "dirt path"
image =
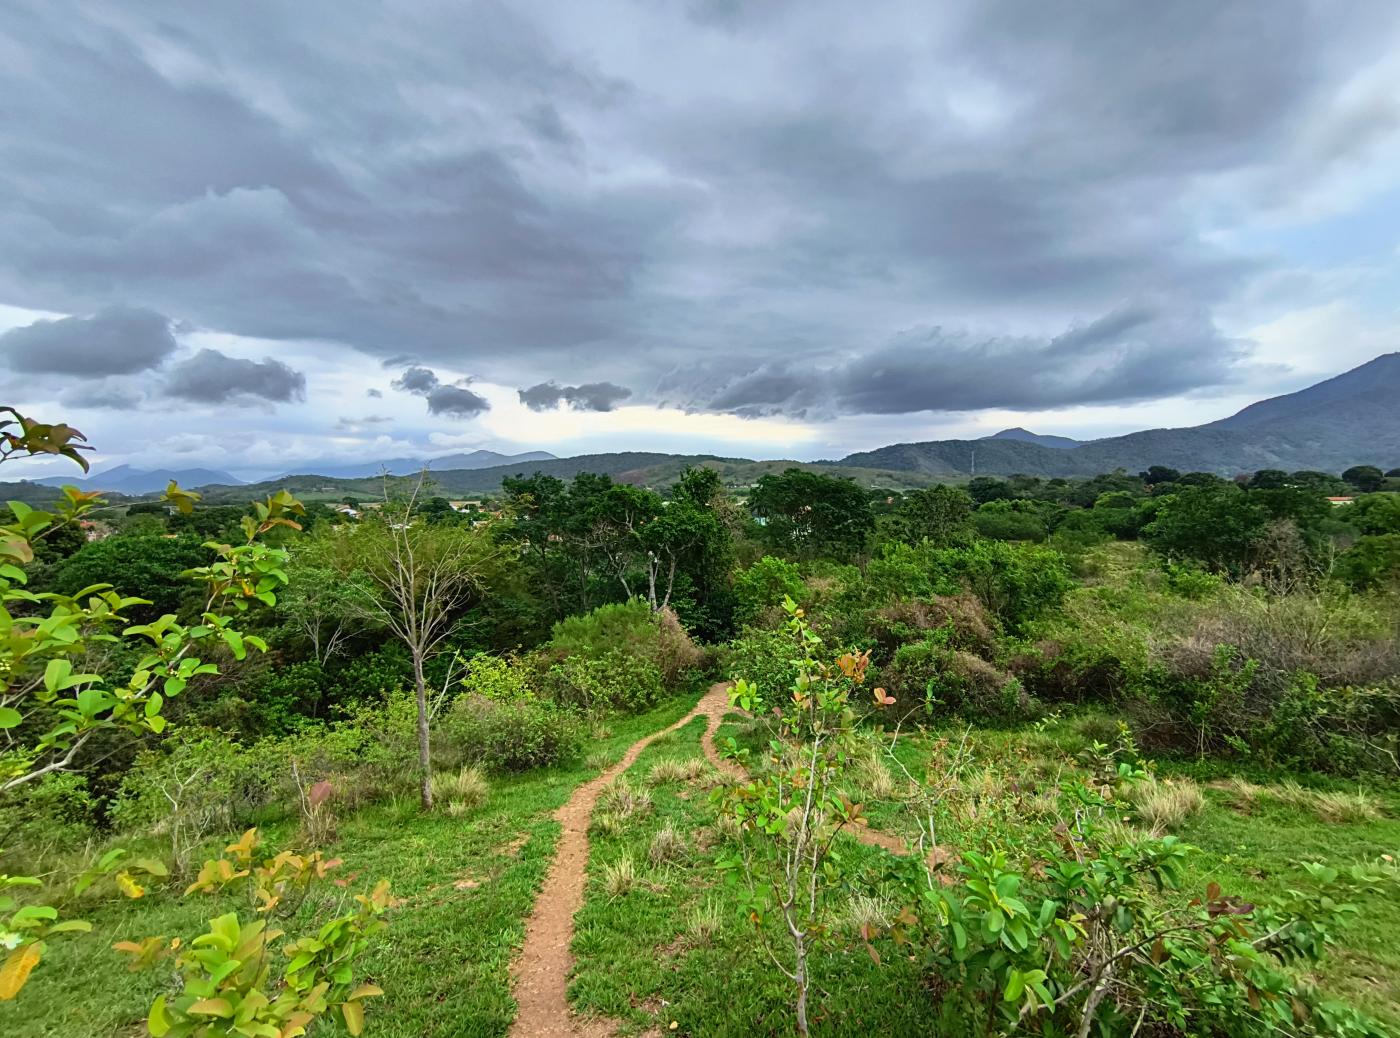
x,y
541,971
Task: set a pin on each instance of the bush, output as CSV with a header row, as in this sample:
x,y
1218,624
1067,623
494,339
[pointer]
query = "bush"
x,y
759,590
509,735
764,657
1016,582
617,681
199,784
962,616
627,629
50,815
946,679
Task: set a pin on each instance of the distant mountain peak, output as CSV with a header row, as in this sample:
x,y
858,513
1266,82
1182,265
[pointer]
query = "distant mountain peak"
x,y
1026,436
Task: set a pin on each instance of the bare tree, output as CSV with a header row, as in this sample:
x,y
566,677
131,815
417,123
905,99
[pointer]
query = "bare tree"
x,y
416,579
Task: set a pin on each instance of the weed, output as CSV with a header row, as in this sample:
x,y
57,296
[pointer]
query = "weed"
x,y
607,823
667,771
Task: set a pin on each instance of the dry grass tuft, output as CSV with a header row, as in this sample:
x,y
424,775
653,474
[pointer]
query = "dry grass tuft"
x,y
620,877
606,823
668,771
624,800
1240,793
1163,806
863,914
466,788
668,847
1345,808
704,922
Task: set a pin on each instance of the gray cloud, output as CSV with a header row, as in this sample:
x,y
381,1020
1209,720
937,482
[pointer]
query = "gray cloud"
x,y
376,394
212,377
416,380
114,341
592,396
456,402
1134,353
113,394
492,196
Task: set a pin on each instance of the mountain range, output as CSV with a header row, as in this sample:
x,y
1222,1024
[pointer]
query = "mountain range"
x,y
1351,419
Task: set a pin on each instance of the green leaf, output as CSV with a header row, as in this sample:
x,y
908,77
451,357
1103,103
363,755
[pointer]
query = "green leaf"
x,y
9,717
157,1022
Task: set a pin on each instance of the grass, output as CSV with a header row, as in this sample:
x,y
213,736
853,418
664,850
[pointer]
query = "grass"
x,y
675,948
659,939
467,885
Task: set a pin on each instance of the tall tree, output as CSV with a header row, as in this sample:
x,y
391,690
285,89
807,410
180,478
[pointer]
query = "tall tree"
x,y
808,515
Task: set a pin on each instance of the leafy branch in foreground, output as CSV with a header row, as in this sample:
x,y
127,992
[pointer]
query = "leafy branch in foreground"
x,y
225,982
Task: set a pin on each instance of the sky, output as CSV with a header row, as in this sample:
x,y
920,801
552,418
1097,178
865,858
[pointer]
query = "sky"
x,y
253,236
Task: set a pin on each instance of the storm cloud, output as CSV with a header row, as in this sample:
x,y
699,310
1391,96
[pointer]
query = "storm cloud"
x,y
212,377
114,341
592,396
780,208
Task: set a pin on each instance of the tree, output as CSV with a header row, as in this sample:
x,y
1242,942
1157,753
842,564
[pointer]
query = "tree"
x,y
986,488
1159,474
1372,562
1365,478
940,514
809,515
1216,526
416,579
1375,514
152,564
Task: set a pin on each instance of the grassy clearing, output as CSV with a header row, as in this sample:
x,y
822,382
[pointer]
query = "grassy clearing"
x,y
468,884
672,947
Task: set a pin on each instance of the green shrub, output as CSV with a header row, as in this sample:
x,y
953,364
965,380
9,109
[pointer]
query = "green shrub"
x,y
948,680
616,681
50,815
759,590
509,735
764,657
630,629
1016,582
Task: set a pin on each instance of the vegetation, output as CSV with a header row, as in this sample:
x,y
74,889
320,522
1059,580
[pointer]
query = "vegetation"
x,y
1104,756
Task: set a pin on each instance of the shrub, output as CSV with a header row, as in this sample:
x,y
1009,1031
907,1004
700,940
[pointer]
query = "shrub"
x,y
627,630
759,590
962,616
53,814
198,784
616,681
764,657
510,735
1015,582
947,679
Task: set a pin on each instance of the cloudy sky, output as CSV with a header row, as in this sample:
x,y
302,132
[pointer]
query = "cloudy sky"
x,y
258,234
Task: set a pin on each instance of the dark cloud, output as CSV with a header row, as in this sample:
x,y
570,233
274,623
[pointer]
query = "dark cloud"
x,y
456,402
1135,353
498,191
115,341
376,394
416,380
592,396
212,377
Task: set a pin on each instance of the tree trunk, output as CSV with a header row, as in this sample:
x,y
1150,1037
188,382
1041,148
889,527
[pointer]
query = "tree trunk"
x,y
420,687
801,976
